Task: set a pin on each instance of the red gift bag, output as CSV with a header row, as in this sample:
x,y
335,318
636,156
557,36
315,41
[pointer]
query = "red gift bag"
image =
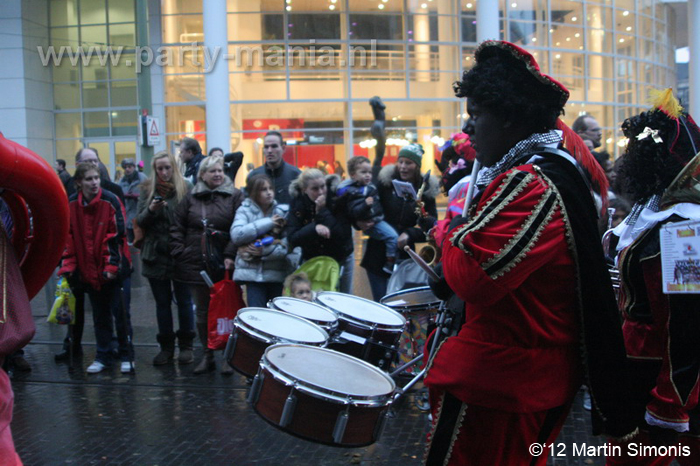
x,y
226,298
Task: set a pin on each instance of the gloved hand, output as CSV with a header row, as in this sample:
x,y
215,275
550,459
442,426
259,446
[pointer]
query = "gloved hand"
x,y
426,223
457,221
439,287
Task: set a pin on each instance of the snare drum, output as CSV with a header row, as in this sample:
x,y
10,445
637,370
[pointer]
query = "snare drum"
x,y
418,305
367,330
321,395
414,300
256,328
319,315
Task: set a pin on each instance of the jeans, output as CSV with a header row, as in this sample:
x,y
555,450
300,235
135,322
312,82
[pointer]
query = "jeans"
x,y
259,293
348,268
382,231
163,292
378,284
107,304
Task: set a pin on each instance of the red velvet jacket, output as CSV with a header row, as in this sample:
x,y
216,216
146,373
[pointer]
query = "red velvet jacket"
x,y
661,334
95,241
514,267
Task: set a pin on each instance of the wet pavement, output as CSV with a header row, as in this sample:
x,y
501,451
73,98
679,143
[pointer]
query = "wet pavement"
x,y
168,416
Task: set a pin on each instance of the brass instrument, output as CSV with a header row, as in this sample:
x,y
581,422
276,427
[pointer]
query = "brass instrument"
x,y
430,252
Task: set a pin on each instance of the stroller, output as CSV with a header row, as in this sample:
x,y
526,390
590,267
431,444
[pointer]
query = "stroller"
x,y
324,273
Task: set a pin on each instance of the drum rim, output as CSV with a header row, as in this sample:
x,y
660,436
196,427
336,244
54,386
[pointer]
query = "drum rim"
x,y
368,323
331,323
427,305
239,323
307,387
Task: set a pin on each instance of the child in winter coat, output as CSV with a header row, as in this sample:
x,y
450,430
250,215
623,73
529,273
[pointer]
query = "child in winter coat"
x,y
261,264
362,202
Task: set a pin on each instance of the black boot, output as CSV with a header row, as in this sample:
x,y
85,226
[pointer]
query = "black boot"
x,y
69,346
207,362
185,341
167,349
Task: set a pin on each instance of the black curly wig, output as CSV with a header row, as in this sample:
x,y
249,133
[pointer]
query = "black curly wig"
x,y
648,167
506,87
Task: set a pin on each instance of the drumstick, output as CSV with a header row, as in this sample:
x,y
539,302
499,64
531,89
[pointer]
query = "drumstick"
x,y
472,185
421,263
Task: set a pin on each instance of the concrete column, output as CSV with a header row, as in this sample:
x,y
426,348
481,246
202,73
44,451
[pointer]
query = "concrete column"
x,y
144,77
218,110
26,100
155,39
694,49
421,34
487,20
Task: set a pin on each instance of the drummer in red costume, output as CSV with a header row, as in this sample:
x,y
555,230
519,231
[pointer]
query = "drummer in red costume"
x,y
540,314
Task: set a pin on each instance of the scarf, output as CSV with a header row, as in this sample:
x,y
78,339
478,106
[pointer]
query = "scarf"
x,y
165,189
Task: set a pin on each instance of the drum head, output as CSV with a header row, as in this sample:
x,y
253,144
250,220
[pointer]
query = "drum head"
x,y
412,298
329,371
305,309
361,309
279,325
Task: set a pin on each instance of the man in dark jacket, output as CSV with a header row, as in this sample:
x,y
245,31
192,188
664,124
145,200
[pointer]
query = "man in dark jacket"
x,y
130,183
65,177
279,171
191,155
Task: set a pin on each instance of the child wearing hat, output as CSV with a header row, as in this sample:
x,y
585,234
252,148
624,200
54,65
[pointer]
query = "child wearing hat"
x,y
361,198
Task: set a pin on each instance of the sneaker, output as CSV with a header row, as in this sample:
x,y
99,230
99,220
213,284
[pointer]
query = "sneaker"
x,y
96,367
128,367
586,399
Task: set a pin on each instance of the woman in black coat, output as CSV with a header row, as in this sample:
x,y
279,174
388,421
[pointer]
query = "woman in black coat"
x,y
315,224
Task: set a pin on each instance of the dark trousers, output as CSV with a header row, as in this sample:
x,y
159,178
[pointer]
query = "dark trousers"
x,y
163,293
107,305
75,332
259,293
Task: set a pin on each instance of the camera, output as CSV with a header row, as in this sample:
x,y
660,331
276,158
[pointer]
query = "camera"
x,y
158,198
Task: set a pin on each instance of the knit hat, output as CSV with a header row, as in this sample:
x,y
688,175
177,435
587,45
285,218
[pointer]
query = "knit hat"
x,y
127,162
413,152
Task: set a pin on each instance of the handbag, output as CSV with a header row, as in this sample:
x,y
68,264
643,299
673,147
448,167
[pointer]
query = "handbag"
x,y
63,309
226,298
16,322
213,243
138,235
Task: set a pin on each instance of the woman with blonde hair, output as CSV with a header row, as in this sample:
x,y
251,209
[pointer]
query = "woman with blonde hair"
x,y
319,226
159,197
214,202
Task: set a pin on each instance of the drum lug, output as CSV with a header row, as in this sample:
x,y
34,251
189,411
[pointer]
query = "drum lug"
x,y
288,411
340,424
379,428
230,346
255,388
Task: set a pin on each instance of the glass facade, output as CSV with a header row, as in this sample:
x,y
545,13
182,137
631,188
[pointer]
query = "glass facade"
x,y
609,53
95,96
308,67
